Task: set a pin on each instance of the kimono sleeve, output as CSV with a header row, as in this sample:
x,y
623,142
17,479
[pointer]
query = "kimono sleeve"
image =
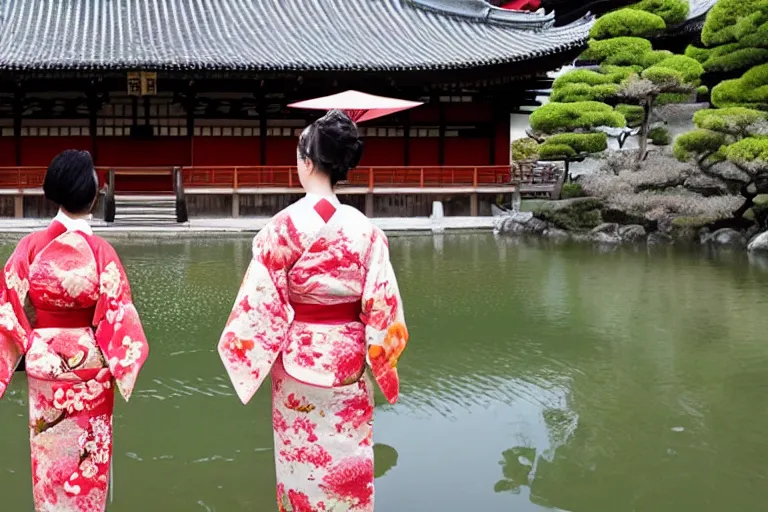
x,y
257,328
385,333
119,332
14,326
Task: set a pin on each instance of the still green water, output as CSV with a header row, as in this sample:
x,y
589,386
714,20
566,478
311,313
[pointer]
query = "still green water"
x,y
538,378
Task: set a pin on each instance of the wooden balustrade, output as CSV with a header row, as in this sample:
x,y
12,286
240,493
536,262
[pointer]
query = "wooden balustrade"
x,y
237,178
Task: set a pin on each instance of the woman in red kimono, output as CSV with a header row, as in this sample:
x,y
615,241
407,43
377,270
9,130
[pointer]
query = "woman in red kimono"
x,y
318,305
65,305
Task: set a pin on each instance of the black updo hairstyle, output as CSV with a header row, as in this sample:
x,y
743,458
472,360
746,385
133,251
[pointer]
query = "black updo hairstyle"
x,y
71,181
333,144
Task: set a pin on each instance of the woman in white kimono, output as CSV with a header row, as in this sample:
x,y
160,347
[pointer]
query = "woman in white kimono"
x,y
318,304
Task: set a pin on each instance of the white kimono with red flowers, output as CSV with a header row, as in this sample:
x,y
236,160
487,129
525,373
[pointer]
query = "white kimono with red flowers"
x,y
81,339
318,305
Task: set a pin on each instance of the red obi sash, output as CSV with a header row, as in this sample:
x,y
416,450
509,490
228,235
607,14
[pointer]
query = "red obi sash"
x,y
327,314
63,318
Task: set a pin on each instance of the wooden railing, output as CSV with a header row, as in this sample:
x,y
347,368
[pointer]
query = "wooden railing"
x,y
287,177
369,177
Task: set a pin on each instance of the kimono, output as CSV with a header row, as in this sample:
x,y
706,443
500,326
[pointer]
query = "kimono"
x,y
318,305
81,338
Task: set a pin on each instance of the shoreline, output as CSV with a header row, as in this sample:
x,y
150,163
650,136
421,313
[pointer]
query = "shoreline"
x,y
247,225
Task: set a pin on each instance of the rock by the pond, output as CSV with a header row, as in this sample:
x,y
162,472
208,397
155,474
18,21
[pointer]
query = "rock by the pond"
x,y
759,243
632,233
725,237
556,234
659,238
520,223
607,233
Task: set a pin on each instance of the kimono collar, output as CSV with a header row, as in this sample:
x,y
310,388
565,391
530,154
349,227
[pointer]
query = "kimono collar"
x,y
73,224
314,198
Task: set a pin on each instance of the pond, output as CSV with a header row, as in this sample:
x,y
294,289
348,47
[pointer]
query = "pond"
x,y
538,378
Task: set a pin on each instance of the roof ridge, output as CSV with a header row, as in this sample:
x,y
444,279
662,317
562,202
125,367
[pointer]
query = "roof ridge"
x,y
483,12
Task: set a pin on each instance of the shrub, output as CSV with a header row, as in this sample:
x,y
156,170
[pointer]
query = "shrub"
x,y
751,90
740,58
524,149
698,142
750,154
673,12
689,68
619,51
582,76
663,77
571,190
702,90
652,58
570,93
660,136
564,117
722,21
551,152
669,98
579,142
634,114
752,30
733,121
627,22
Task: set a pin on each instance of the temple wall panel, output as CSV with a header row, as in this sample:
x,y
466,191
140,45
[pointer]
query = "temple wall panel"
x,y
216,151
467,151
132,152
39,151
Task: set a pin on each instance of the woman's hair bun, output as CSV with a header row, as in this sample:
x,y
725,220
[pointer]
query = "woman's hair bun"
x,y
333,144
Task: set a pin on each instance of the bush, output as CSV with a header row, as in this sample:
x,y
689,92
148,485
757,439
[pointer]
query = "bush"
x,y
733,121
751,90
634,114
750,153
698,142
619,51
582,76
570,93
669,98
524,149
571,190
553,152
566,117
702,90
652,58
686,66
660,136
741,58
582,142
752,30
673,12
627,22
663,77
722,21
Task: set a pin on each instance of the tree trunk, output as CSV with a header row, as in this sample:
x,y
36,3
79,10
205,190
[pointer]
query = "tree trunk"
x,y
648,107
749,201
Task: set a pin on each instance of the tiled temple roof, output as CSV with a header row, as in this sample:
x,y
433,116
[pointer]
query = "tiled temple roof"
x,y
274,35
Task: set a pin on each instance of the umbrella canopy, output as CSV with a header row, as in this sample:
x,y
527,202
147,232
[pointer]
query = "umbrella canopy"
x,y
359,106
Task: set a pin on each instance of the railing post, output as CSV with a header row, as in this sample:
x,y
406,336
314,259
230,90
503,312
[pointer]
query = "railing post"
x,y
109,197
370,179
181,197
421,178
474,178
236,180
290,177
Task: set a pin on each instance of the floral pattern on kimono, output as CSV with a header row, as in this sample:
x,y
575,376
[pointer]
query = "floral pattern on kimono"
x,y
319,303
74,282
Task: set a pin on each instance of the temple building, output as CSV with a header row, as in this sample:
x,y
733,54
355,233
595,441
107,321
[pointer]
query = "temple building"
x,y
204,84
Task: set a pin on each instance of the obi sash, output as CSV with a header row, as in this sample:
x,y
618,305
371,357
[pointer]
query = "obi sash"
x,y
63,318
327,314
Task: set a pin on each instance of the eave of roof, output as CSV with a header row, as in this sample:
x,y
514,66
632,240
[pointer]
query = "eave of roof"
x,y
257,35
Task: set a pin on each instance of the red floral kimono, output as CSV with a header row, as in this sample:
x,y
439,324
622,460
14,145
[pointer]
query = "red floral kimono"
x,y
318,305
82,337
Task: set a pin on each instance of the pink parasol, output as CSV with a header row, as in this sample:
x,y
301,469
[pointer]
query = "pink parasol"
x,y
359,106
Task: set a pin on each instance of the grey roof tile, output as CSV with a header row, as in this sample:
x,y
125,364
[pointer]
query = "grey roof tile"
x,y
271,35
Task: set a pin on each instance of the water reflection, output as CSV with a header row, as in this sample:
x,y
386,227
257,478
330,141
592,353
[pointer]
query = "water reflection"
x,y
539,377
